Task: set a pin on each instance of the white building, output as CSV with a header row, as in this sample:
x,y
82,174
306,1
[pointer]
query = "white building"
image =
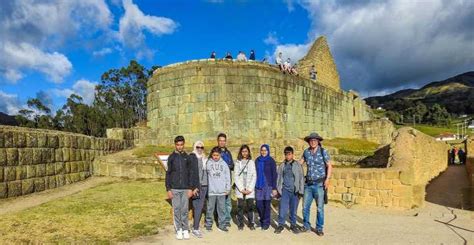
x,y
446,137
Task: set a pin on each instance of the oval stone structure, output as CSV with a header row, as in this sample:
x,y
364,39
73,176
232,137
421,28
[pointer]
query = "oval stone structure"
x,y
250,101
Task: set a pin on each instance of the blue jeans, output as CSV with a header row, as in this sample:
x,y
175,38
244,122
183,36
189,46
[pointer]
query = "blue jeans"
x,y
314,192
228,209
288,202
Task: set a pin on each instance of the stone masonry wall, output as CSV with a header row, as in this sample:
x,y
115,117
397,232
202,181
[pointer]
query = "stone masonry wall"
x,y
320,56
415,159
140,136
251,101
378,131
33,160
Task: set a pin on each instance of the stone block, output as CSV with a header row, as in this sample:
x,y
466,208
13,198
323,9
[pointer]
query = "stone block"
x,y
39,184
8,139
3,157
396,182
355,190
40,170
14,188
3,190
12,156
21,172
392,174
373,193
80,166
25,156
349,183
344,175
67,167
1,174
66,155
42,140
51,182
366,175
402,191
37,156
75,177
31,140
30,171
20,140
50,169
74,167
384,184
378,176
60,168
406,202
359,183
58,155
340,189
27,186
60,180
53,141
369,184
364,192
371,201
9,173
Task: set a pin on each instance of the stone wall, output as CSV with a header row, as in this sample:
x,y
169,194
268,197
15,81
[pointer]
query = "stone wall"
x,y
139,136
33,160
470,159
320,56
378,131
250,101
415,159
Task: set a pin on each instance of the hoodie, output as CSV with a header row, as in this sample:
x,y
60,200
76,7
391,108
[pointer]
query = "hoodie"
x,y
218,175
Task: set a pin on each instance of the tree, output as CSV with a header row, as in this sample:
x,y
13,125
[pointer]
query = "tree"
x,y
438,115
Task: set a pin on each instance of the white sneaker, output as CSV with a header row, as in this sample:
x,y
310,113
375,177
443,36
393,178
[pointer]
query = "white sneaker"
x,y
179,234
186,234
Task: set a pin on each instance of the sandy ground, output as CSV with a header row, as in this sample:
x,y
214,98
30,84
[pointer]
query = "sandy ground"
x,y
35,199
440,222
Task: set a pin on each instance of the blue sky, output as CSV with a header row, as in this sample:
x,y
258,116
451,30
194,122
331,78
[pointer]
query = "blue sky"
x,y
54,48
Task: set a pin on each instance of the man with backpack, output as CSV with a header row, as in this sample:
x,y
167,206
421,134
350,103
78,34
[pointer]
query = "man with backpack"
x,y
319,170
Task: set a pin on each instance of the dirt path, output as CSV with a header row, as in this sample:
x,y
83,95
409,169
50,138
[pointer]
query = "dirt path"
x,y
434,224
451,188
35,199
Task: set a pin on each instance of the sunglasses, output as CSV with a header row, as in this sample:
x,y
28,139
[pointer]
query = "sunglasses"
x,y
200,147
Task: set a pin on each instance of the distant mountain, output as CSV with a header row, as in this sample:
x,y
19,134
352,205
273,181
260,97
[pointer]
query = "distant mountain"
x,y
455,93
6,119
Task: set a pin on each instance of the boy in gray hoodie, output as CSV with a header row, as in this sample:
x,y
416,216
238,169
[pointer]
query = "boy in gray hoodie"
x,y
219,186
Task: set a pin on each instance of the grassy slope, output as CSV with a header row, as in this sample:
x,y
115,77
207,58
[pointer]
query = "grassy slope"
x,y
357,147
104,214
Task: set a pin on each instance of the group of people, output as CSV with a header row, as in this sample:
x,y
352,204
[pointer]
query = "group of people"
x,y
286,66
457,156
207,181
240,57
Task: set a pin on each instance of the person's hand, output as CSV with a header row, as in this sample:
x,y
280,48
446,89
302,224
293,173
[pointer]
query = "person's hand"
x,y
195,192
326,184
225,193
248,192
190,193
170,195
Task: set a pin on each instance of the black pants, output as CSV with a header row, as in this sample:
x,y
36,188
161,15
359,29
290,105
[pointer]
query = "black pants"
x,y
246,206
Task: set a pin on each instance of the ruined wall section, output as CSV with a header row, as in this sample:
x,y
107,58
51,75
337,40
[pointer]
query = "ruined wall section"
x,y
33,160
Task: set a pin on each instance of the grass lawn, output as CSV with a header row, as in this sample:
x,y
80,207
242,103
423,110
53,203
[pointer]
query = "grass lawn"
x,y
149,150
357,147
104,214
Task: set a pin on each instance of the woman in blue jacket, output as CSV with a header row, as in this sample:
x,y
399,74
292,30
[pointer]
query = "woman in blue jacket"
x,y
266,186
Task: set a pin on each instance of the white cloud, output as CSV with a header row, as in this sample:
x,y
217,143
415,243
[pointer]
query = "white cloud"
x,y
83,88
9,103
102,52
55,65
382,45
293,51
271,39
289,5
134,22
33,32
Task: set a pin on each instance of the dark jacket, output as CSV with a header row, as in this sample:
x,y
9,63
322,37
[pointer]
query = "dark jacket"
x,y
227,157
270,172
182,172
298,174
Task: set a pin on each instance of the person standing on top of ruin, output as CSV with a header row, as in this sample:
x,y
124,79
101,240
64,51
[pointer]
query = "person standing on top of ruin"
x,y
245,177
312,72
319,170
227,157
265,187
287,65
213,55
181,181
252,55
228,56
241,56
279,61
199,198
